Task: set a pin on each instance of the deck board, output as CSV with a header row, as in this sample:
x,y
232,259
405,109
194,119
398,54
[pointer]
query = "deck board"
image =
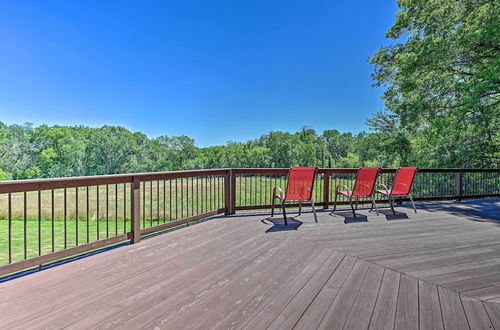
x,y
429,309
384,312
439,268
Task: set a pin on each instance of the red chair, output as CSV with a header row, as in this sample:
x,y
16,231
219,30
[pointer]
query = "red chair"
x,y
363,187
403,181
299,188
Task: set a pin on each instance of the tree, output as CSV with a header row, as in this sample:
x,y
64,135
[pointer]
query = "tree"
x,y
443,79
60,150
19,153
181,150
111,150
391,140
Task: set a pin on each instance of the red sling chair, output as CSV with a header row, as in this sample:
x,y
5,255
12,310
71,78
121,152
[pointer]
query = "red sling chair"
x,y
363,187
299,188
403,181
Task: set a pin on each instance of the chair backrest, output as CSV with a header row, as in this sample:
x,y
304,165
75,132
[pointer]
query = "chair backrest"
x,y
403,180
301,182
365,181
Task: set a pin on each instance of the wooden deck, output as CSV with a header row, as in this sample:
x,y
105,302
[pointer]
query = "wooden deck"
x,y
436,269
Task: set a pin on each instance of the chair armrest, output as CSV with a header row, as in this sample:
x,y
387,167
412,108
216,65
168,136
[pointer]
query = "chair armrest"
x,y
280,195
343,185
383,186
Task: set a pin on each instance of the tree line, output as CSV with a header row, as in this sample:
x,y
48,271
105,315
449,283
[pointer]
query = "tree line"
x,y
44,151
28,152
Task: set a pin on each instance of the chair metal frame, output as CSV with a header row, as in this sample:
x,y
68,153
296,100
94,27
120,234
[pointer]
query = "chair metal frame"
x,y
350,194
388,192
278,194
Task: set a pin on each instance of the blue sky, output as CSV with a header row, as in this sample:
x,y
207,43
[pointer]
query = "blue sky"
x,y
213,70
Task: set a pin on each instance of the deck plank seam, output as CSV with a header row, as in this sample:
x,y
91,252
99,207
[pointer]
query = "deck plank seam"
x,y
278,292
340,289
417,278
397,303
463,308
333,298
418,303
488,315
357,294
440,308
376,299
302,288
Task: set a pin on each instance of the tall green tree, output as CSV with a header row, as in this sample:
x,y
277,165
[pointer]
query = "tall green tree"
x,y
111,150
442,79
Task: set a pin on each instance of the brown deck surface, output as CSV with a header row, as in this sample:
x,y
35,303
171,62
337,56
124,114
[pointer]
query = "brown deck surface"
x,y
436,269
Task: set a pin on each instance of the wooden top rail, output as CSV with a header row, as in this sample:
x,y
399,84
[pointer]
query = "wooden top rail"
x,y
14,186
355,170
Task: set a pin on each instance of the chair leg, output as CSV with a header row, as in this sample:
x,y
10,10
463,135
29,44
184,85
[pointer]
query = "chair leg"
x,y
300,208
352,207
374,204
334,203
273,199
284,212
314,210
412,203
391,202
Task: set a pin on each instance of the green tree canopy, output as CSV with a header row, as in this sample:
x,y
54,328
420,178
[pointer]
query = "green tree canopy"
x,y
442,79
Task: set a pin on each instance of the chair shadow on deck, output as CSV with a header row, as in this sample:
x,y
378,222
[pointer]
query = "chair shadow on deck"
x,y
279,224
391,216
349,218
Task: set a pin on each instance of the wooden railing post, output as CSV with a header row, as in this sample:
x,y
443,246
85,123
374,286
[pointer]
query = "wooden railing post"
x,y
326,189
233,192
458,185
230,191
135,194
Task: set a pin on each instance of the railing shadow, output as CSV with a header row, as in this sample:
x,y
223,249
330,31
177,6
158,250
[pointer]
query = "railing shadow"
x,y
479,210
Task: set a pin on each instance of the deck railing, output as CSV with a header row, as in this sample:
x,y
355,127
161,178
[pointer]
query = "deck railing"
x,y
49,219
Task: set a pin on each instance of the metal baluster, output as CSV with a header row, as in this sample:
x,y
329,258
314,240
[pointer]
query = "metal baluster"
x,y
182,198
124,208
88,224
210,197
201,192
176,198
10,227
164,201
157,202
52,219
25,227
97,216
116,209
107,211
170,197
206,194
65,219
76,216
144,204
39,222
151,203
